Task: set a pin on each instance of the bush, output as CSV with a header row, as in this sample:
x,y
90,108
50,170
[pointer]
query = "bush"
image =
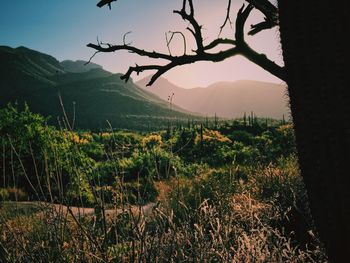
x,y
158,164
124,143
241,154
4,195
282,186
211,147
279,182
15,194
104,173
94,150
215,187
242,136
141,192
193,169
80,197
40,153
152,141
183,143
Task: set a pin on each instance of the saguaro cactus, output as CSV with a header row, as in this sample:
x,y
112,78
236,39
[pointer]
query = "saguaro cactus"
x,y
314,47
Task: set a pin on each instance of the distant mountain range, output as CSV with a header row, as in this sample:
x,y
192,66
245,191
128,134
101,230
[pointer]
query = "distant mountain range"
x,y
89,94
226,99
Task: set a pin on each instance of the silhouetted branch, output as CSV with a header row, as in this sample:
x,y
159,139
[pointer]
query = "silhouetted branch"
x,y
219,41
242,16
131,49
124,39
105,2
93,55
237,46
260,27
138,69
197,29
168,41
264,6
270,12
259,59
227,18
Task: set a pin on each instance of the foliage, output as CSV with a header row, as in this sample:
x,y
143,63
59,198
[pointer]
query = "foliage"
x,y
33,77
216,217
152,141
17,128
37,156
220,194
4,194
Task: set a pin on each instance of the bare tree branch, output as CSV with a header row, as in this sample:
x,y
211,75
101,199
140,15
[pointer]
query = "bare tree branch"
x,y
138,69
242,16
267,8
105,2
168,41
227,18
219,41
131,49
260,27
270,12
93,55
124,39
191,8
236,46
197,29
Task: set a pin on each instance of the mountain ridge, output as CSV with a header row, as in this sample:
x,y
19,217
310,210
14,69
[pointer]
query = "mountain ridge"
x,y
89,96
226,99
79,66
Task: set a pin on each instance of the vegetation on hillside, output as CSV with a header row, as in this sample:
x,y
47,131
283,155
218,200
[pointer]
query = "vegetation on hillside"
x,y
85,97
207,192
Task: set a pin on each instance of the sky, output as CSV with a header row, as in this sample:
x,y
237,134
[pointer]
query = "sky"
x,y
63,28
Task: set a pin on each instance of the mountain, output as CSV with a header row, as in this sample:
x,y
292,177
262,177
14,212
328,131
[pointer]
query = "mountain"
x,y
89,96
226,99
78,66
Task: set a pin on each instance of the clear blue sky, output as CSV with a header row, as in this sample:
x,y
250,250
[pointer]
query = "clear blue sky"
x,y
62,28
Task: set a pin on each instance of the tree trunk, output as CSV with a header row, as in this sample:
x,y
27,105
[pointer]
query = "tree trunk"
x,y
314,47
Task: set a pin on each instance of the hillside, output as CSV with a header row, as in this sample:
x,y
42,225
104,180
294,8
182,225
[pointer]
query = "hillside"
x,y
78,66
95,94
226,99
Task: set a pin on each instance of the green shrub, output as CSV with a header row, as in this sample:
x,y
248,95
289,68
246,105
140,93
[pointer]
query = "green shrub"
x,y
16,194
158,164
94,150
241,136
4,195
215,187
141,191
80,197
193,169
120,143
241,154
183,144
104,173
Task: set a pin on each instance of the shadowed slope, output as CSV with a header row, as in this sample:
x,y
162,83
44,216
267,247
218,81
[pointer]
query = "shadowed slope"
x,y
97,95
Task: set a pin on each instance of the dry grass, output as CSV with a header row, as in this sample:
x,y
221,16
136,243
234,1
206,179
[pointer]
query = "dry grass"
x,y
215,217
